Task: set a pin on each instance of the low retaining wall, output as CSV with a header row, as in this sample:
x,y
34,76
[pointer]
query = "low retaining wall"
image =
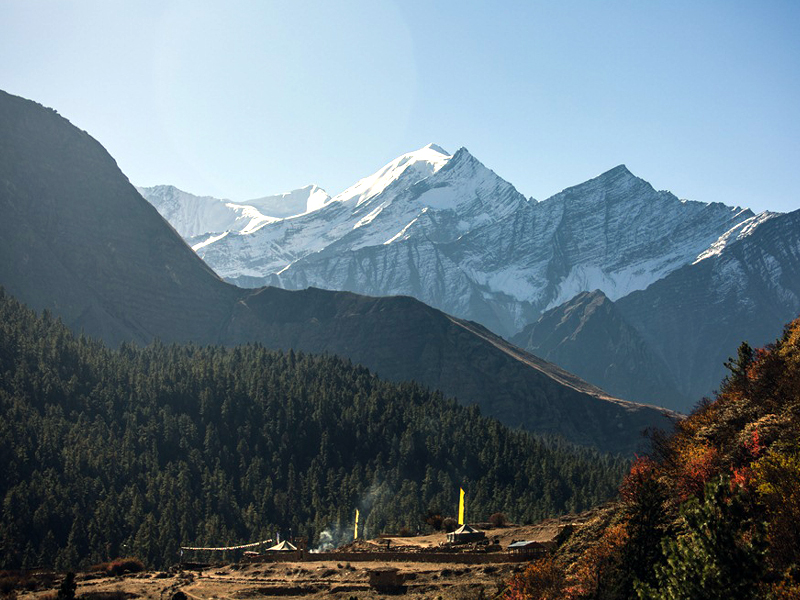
x,y
425,557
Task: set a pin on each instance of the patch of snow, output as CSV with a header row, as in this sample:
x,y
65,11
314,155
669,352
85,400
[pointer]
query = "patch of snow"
x,y
618,283
441,198
369,218
210,240
400,234
737,232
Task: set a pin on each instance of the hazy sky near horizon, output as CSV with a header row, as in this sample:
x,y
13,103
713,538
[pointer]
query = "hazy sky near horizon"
x,y
241,99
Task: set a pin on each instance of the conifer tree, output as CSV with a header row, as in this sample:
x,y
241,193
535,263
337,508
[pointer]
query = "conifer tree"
x,y
719,555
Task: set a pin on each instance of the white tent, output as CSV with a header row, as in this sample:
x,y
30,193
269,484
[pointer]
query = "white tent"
x,y
465,533
283,546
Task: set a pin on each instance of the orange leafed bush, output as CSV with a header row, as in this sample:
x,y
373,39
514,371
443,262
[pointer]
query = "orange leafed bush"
x,y
600,560
742,478
785,590
542,580
699,463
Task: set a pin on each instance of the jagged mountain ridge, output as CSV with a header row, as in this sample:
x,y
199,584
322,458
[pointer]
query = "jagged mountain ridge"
x,y
678,332
76,238
695,318
196,217
450,232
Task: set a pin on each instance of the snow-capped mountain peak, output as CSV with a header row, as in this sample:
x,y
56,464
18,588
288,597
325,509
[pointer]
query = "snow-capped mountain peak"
x,y
436,148
411,167
466,183
195,217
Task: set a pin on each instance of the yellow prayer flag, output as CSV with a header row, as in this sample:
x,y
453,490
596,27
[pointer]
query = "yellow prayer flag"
x,y
461,507
355,533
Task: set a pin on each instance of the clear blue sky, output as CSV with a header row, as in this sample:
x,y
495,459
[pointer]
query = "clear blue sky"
x,y
242,99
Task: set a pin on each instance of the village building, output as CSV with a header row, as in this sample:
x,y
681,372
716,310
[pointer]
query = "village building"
x,y
530,547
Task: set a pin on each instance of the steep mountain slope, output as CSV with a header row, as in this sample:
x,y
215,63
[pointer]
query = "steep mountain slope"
x,y
450,232
399,336
685,326
588,336
76,238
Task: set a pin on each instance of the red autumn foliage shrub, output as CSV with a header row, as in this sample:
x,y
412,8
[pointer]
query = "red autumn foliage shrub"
x,y
119,566
642,470
699,464
754,444
742,478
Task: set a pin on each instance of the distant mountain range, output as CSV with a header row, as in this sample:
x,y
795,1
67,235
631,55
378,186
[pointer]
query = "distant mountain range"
x,y
450,232
76,238
680,283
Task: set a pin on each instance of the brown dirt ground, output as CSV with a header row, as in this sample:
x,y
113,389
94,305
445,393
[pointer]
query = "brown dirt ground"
x,y
309,580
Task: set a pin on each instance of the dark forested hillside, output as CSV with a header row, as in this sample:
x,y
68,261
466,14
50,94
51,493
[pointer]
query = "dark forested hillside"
x,y
138,450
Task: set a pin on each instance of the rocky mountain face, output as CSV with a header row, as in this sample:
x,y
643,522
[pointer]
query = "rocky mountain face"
x,y
676,334
77,238
695,318
589,336
450,232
